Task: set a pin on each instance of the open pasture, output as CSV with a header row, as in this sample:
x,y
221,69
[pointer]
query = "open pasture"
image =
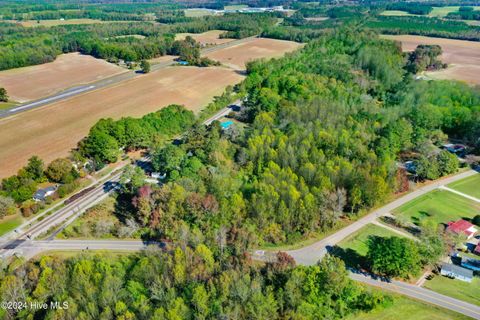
x,y
439,206
51,131
68,70
237,56
206,38
470,186
463,57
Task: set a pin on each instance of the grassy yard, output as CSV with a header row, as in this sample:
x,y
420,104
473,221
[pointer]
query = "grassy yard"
x,y
470,186
405,308
358,240
440,206
469,292
9,223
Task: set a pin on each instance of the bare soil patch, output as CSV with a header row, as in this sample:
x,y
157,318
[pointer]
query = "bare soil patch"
x,y
68,70
52,131
237,56
208,38
463,57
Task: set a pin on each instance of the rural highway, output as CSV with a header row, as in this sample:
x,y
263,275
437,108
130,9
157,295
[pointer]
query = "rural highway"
x,y
310,255
72,92
421,294
20,242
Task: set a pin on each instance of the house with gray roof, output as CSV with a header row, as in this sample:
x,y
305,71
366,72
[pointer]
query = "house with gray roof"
x,y
42,194
457,272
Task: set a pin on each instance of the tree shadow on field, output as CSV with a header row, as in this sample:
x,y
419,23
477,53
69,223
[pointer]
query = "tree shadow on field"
x,y
351,257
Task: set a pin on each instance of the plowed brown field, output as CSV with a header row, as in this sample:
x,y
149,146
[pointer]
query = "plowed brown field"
x,y
68,70
462,56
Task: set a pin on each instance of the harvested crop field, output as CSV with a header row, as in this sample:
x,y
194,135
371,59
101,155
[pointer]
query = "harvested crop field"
x,y
57,22
68,70
206,38
462,56
237,56
51,131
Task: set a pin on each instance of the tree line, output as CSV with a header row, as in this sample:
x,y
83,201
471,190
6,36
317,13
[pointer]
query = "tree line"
x,y
189,282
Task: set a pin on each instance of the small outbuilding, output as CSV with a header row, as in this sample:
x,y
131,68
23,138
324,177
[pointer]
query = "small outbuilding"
x,y
42,194
457,272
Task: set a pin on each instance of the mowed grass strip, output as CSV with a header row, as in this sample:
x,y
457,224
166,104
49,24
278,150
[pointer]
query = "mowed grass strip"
x,y
358,240
468,292
440,206
9,223
404,308
470,186
396,13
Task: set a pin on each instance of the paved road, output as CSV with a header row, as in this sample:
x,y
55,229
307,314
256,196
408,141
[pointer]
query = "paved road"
x,y
72,92
30,248
421,294
20,242
309,255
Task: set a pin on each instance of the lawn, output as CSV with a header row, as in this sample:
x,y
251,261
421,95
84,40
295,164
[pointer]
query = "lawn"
x,y
404,308
470,186
358,240
9,223
440,206
468,292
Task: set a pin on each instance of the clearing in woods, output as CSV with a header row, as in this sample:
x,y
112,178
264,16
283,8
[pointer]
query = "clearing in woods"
x,y
68,70
463,57
237,56
206,38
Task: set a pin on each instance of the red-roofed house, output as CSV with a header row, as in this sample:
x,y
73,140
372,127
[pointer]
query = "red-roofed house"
x,y
462,226
477,249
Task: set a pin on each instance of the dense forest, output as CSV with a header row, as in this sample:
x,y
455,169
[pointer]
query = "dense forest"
x,y
317,142
326,126
192,282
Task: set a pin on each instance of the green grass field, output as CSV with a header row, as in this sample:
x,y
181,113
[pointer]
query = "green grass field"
x,y
195,13
235,7
358,240
396,13
9,223
470,186
440,12
6,105
404,308
440,206
469,292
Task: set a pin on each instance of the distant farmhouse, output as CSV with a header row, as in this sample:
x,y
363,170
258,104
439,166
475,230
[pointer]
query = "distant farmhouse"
x,y
42,194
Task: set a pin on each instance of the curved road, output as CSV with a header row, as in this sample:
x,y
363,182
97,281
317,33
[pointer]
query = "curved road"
x,y
310,255
421,294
